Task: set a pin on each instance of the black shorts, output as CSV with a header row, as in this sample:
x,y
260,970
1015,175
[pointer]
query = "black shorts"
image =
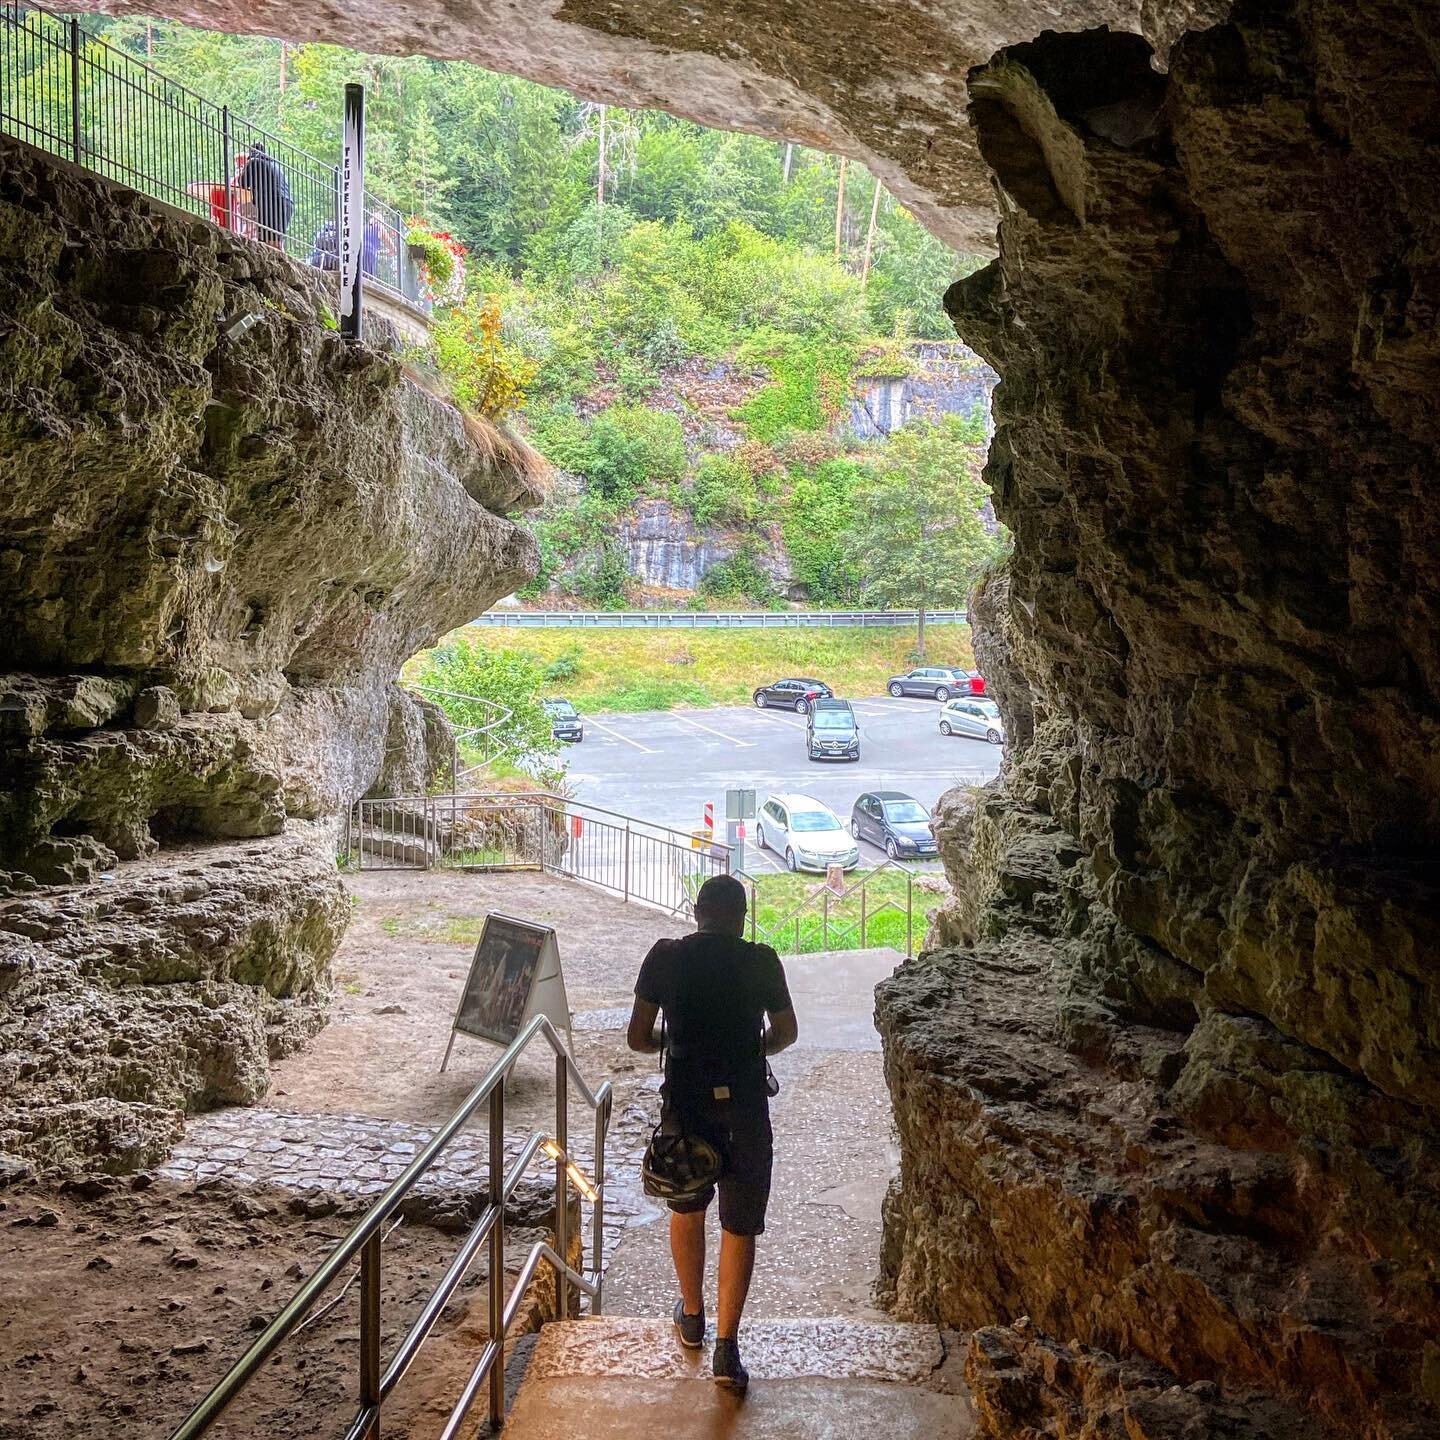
x,y
742,1135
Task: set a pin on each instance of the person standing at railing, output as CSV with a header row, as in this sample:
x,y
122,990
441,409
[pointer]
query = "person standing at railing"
x,y
264,177
717,990
325,247
375,240
230,205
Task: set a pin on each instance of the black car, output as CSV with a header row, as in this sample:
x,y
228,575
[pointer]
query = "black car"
x,y
940,681
897,822
564,721
831,732
796,694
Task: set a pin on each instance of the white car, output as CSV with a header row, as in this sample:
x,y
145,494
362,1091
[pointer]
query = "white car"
x,y
979,719
808,834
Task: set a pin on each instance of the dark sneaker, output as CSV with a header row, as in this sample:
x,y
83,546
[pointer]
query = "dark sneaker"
x,y
690,1328
729,1372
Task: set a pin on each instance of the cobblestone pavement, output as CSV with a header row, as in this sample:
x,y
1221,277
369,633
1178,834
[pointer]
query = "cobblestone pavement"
x,y
350,1159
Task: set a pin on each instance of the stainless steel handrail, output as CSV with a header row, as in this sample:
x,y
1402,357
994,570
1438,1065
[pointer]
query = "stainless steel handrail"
x,y
365,1240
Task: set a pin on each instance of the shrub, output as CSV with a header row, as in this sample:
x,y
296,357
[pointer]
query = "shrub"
x,y
602,580
723,492
630,449
742,577
504,677
487,374
811,384
565,666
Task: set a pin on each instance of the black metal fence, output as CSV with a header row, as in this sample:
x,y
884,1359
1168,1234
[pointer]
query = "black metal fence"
x,y
68,92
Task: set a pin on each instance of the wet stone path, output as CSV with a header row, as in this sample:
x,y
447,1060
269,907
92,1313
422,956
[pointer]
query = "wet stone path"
x,y
346,1161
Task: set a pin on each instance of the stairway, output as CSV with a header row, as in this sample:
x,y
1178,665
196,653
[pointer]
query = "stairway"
x,y
628,1379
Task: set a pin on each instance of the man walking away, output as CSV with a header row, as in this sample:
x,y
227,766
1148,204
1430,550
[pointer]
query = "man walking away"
x,y
717,990
269,191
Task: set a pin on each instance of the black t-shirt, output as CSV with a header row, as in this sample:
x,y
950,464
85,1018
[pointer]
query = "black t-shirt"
x,y
715,991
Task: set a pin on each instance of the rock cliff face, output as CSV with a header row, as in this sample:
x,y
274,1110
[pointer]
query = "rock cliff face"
x,y
947,379
222,530
1176,1097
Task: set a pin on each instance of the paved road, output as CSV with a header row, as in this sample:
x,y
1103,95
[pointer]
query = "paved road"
x,y
663,765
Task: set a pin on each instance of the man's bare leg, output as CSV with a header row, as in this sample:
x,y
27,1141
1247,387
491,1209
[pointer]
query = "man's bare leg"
x,y
737,1264
687,1249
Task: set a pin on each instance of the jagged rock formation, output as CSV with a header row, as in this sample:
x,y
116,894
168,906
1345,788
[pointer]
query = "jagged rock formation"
x,y
885,85
222,530
1178,1100
946,378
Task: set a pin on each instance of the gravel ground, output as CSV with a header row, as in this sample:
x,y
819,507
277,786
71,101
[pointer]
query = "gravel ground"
x,y
125,1301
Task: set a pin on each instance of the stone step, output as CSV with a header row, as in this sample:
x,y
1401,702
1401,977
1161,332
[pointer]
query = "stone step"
x,y
615,1378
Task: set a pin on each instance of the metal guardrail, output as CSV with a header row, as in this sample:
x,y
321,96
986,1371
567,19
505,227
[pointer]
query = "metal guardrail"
x,y
483,739
826,913
712,620
74,95
622,854
366,1239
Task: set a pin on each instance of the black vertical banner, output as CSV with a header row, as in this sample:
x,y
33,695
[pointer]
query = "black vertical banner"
x,y
352,210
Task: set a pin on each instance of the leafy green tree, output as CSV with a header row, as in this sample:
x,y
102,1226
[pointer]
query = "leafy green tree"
x,y
918,537
472,675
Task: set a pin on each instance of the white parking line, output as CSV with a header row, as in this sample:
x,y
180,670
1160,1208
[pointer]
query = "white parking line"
x,y
783,720
599,725
696,724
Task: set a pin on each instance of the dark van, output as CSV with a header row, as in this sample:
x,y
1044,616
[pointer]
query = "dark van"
x,y
831,732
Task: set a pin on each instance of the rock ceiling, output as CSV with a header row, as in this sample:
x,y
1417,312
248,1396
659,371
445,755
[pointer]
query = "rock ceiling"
x,y
880,80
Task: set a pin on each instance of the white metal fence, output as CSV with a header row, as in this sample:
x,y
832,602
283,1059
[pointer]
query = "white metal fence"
x,y
626,856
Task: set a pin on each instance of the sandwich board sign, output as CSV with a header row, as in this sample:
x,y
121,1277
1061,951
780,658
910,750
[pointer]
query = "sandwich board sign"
x,y
515,975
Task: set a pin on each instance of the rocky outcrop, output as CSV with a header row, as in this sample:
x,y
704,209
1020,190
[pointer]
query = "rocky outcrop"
x,y
1177,1100
942,378
663,546
170,988
222,530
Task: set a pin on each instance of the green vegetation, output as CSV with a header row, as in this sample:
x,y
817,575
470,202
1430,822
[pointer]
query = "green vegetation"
x,y
471,676
621,670
916,534
607,291
815,928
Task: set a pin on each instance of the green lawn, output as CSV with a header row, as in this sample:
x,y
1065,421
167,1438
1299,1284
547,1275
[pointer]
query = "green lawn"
x,y
619,670
777,897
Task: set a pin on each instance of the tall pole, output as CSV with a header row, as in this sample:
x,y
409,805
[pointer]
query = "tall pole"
x,y
840,205
352,210
870,235
284,64
789,155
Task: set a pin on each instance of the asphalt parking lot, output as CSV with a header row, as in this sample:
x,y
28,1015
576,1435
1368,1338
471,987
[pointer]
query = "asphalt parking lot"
x,y
663,765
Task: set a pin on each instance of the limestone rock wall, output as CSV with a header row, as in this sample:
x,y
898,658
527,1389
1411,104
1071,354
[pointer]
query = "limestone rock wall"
x,y
222,530
1174,1096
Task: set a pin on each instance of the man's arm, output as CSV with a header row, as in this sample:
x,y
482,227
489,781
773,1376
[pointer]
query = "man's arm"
x,y
782,1032
641,1036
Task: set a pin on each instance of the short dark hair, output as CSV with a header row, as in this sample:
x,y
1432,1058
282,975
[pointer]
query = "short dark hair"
x,y
721,897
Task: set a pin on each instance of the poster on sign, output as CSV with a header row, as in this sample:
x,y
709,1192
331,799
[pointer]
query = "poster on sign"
x,y
515,975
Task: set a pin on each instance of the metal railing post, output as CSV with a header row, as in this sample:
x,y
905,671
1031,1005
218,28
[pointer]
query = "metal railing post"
x,y
75,90
753,906
562,1184
597,1210
496,1198
370,1333
909,915
825,921
863,890
227,167
626,871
